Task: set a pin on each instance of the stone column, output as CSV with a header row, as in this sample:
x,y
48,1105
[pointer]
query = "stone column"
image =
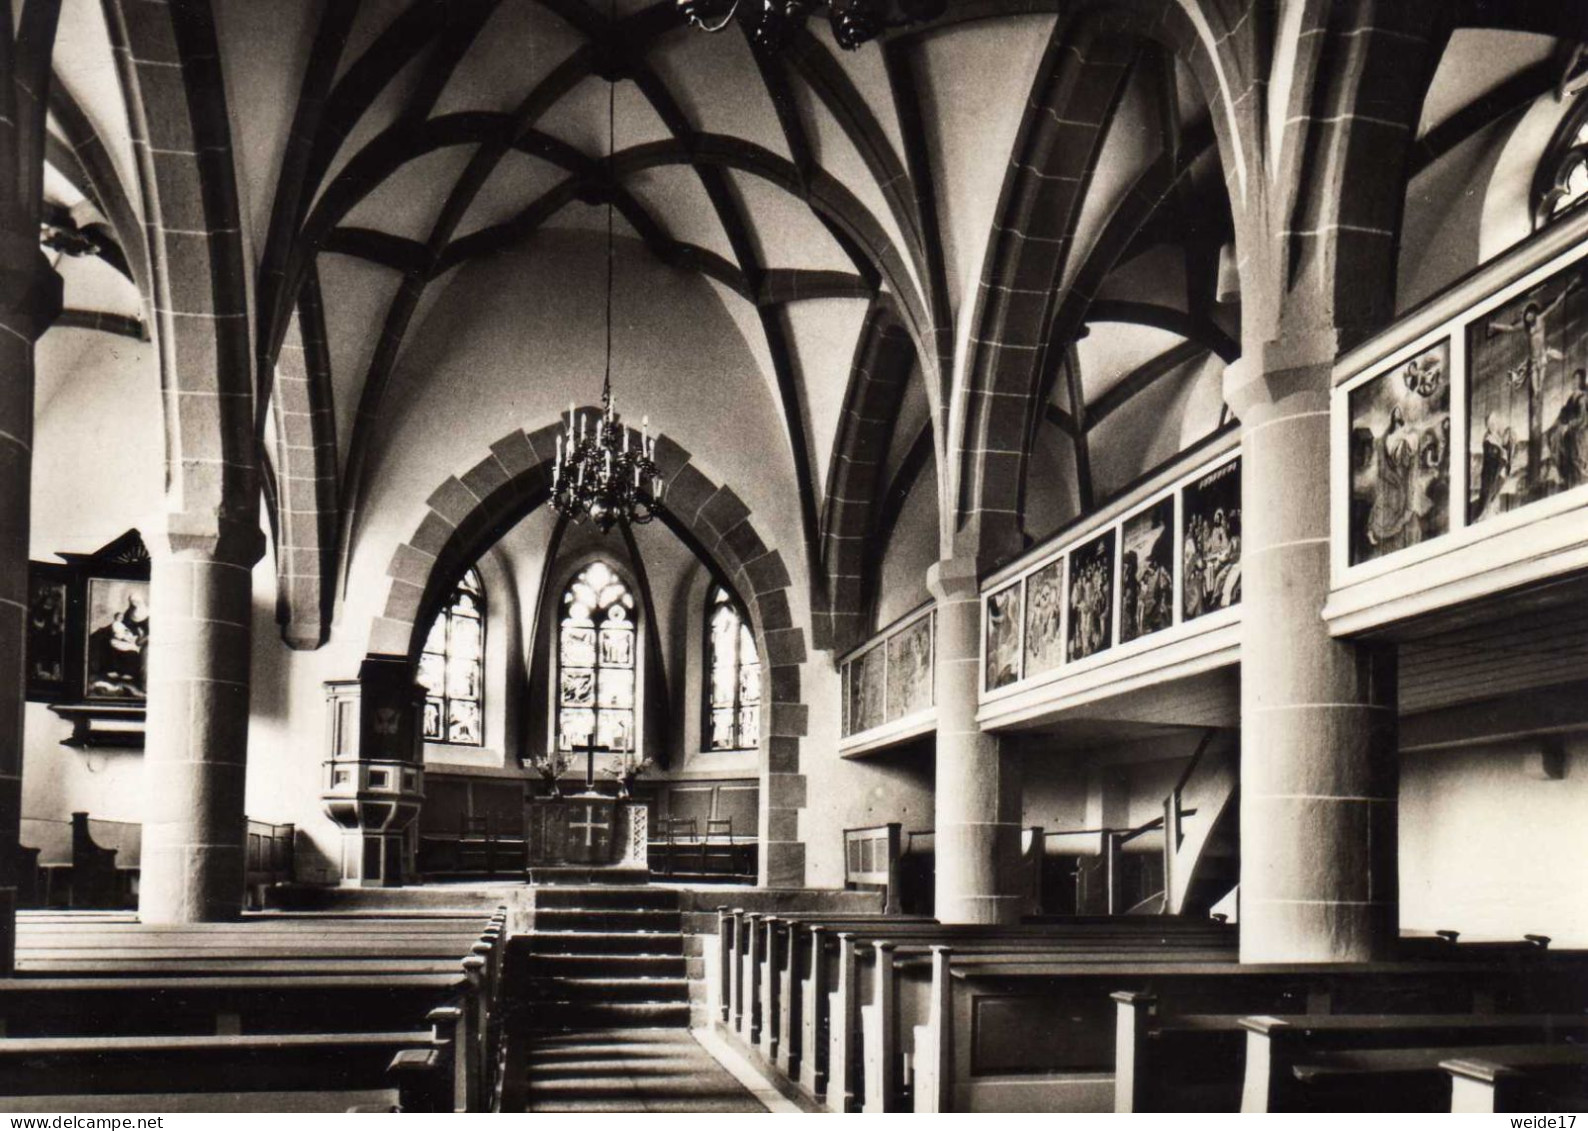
x,y
978,790
30,299
1319,762
196,753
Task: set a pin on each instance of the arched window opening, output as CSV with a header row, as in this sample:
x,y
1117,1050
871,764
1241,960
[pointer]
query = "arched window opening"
x,y
452,668
1561,183
733,677
596,663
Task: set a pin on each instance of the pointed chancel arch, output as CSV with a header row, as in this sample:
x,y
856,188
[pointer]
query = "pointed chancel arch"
x,y
469,512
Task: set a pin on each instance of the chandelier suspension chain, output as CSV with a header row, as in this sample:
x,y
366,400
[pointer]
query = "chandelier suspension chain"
x,y
605,477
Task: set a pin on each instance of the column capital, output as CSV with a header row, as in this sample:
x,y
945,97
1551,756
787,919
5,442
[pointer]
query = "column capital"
x,y
31,292
953,579
210,536
1298,364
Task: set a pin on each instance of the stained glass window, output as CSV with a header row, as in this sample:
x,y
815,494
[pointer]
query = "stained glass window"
x,y
452,668
733,675
1561,182
595,663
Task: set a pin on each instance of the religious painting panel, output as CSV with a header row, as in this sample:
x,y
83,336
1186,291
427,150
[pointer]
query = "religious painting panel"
x,y
49,597
1146,571
116,640
1002,636
1400,456
910,669
1091,597
867,690
1045,619
1210,554
1527,396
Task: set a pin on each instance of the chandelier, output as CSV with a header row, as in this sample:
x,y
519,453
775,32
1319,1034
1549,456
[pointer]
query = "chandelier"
x,y
601,473
772,23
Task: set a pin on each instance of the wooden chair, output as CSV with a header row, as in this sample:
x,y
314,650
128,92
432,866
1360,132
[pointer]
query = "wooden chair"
x,y
476,845
718,844
677,831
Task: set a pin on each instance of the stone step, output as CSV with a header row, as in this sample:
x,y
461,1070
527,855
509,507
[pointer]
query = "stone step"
x,y
600,990
564,1015
615,898
604,942
609,919
575,965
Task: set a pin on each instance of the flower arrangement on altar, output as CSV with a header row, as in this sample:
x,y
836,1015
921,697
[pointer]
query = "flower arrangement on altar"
x,y
551,766
626,769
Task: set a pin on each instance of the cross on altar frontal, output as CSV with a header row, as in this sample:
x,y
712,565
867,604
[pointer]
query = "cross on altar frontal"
x,y
589,825
587,830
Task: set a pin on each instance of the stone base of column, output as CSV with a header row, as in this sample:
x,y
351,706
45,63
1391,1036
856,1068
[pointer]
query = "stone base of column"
x,y
1282,931
975,865
372,859
186,883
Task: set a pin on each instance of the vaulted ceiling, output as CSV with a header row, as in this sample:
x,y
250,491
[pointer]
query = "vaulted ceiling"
x,y
836,201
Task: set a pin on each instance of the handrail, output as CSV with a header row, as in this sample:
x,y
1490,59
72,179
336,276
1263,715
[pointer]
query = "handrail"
x,y
1129,835
1196,760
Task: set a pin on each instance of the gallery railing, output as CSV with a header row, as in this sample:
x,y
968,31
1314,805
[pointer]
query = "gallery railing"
x,y
887,684
1161,562
1460,424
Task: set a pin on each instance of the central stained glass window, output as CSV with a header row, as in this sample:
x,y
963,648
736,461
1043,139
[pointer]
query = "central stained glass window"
x,y
733,689
595,663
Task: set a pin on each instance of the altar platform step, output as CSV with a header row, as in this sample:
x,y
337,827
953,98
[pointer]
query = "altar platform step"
x,y
605,989
546,876
607,919
542,941
567,1015
605,896
576,965
603,956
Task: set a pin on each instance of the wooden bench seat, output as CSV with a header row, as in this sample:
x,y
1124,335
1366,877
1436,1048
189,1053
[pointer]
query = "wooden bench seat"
x,y
784,981
264,977
1297,1062
1532,1078
1044,1036
147,1066
875,1013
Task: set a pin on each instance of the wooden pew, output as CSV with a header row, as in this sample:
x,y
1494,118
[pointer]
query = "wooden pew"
x,y
412,1065
875,1015
1388,1062
1045,1037
1538,1078
289,959
800,979
764,999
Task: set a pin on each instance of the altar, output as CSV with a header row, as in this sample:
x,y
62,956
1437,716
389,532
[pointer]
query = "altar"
x,y
587,831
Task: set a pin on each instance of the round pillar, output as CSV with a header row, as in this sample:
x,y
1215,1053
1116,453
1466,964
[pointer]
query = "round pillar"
x,y
978,791
1319,762
196,749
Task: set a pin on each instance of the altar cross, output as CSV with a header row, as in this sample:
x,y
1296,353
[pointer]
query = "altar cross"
x,y
589,825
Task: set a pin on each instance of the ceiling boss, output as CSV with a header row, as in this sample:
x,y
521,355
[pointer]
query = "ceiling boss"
x,y
772,23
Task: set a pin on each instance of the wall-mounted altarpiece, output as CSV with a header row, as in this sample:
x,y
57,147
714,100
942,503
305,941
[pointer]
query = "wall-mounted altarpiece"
x,y
87,640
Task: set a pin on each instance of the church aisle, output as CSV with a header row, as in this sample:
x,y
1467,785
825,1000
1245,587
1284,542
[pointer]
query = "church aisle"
x,y
616,1070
